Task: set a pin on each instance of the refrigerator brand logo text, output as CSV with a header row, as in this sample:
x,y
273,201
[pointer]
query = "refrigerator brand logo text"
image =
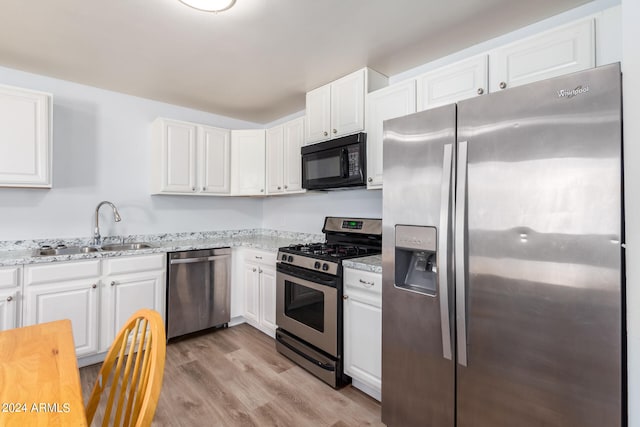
x,y
570,93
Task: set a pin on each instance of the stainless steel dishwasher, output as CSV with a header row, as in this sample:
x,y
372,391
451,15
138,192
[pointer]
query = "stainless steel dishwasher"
x,y
198,294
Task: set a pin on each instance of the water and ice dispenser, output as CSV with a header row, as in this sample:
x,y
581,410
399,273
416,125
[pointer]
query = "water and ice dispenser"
x,y
416,259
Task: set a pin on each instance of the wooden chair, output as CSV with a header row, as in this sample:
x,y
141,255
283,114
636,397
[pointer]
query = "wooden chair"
x,y
132,373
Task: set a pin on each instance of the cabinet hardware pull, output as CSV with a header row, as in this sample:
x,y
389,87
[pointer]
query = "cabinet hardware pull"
x,y
262,190
9,298
94,286
325,133
279,188
260,270
345,297
480,91
286,186
254,270
193,188
503,85
258,257
204,188
366,284
113,283
370,179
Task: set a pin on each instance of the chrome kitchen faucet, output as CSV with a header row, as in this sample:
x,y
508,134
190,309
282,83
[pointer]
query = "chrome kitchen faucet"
x,y
97,240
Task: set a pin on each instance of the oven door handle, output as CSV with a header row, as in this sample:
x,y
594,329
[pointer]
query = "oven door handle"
x,y
309,278
325,366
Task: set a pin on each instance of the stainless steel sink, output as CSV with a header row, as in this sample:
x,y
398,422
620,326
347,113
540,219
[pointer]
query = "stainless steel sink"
x,y
125,246
70,250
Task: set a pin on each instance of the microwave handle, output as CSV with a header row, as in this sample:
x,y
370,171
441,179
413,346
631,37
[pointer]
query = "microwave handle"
x,y
344,163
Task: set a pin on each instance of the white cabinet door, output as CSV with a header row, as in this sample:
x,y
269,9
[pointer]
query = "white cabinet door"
x,y
293,141
248,162
76,300
388,103
25,138
363,341
251,293
347,104
550,54
268,298
362,305
214,152
10,294
275,158
9,299
453,83
177,156
317,117
125,294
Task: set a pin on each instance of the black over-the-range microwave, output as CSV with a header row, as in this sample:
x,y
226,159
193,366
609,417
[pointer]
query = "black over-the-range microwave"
x,y
335,164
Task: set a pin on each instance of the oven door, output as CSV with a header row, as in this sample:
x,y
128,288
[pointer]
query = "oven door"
x,y
307,307
334,164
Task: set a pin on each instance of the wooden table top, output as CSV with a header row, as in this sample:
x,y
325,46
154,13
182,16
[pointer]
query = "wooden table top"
x,y
39,377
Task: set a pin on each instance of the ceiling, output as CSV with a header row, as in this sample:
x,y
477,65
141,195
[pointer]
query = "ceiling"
x,y
253,62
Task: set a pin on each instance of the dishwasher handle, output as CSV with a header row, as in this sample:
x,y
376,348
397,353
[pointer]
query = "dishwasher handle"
x,y
193,260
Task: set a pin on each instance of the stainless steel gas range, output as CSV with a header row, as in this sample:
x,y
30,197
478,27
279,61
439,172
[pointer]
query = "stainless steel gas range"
x,y
309,295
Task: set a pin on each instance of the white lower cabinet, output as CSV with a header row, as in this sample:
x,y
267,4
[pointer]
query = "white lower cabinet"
x,y
130,284
96,295
362,311
10,295
259,276
65,290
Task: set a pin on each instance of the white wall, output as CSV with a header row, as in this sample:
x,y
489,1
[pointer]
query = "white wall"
x,y
631,112
306,212
102,152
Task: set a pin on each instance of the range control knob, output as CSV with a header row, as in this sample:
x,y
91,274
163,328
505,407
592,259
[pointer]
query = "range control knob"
x,y
284,257
325,266
316,265
290,258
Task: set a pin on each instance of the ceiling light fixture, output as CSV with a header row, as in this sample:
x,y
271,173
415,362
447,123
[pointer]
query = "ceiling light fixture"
x,y
209,5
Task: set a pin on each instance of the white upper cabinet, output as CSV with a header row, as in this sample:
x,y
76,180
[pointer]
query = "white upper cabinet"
x,y
553,53
275,160
175,144
284,161
248,162
347,104
318,106
25,138
388,103
189,158
293,141
337,109
453,83
214,153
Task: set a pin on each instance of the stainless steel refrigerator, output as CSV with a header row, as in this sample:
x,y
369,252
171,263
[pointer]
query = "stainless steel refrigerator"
x,y
502,300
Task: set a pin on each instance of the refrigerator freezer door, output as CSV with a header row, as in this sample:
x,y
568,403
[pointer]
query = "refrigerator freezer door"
x,y
543,233
417,379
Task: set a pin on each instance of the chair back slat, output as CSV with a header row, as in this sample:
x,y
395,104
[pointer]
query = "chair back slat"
x,y
132,372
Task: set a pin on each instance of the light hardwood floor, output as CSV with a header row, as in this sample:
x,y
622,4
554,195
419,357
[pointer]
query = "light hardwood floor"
x,y
235,377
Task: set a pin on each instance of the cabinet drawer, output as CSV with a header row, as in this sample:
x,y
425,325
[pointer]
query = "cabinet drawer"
x,y
363,282
9,277
134,264
58,271
262,257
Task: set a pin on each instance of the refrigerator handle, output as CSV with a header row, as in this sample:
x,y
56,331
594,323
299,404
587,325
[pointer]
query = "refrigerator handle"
x,y
443,250
460,266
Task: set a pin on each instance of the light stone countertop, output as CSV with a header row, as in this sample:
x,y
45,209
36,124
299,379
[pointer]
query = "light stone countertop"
x,y
372,263
22,252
